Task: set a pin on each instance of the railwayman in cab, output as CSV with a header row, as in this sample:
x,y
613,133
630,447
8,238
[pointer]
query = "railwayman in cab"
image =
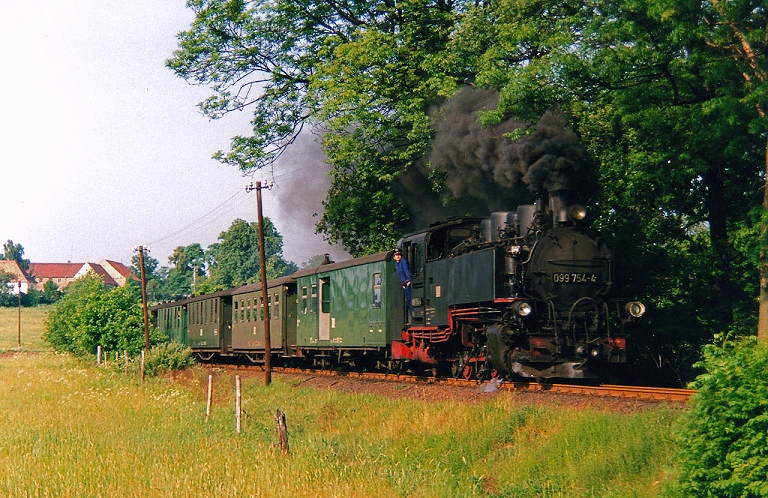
x,y
404,274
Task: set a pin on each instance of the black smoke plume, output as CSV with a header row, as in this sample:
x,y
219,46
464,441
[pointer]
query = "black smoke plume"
x,y
487,171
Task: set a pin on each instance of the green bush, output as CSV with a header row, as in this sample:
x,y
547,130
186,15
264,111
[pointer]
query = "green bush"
x,y
91,315
724,441
168,357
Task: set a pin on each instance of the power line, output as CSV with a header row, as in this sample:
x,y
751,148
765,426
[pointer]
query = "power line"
x,y
208,218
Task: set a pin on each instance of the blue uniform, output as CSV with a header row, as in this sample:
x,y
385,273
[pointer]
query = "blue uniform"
x,y
404,274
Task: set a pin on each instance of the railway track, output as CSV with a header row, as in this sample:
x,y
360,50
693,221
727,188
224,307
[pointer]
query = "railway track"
x,y
605,390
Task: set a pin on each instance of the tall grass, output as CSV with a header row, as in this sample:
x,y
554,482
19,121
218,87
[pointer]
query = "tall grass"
x,y
70,428
32,327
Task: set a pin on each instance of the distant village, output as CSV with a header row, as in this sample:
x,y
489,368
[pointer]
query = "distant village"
x,y
113,274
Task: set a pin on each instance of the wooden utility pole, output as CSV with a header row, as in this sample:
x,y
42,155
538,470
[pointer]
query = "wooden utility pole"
x,y
264,290
19,293
144,298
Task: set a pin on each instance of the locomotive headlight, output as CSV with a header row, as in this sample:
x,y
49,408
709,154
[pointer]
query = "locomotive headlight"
x,y
577,212
635,309
522,308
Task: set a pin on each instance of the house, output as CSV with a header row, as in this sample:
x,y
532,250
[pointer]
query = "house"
x,y
118,271
113,274
20,279
62,274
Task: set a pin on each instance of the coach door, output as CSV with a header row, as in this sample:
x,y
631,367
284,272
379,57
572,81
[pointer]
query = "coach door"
x,y
324,311
414,253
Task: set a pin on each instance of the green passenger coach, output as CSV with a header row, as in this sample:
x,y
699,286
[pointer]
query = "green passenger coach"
x,y
349,308
209,321
248,318
172,321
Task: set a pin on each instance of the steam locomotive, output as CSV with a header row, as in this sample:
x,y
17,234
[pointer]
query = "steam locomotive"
x,y
521,294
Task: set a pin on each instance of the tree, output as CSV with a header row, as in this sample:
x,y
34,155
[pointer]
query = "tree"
x,y
14,252
722,438
91,315
235,258
740,30
365,72
51,292
188,265
667,97
665,117
6,297
155,275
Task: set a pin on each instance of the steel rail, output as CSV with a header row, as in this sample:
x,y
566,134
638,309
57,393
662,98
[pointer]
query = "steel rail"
x,y
604,390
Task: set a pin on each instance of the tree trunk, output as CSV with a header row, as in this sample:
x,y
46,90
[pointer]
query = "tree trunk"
x,y
762,320
722,301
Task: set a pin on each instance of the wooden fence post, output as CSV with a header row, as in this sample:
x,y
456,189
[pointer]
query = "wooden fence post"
x,y
208,403
237,403
282,431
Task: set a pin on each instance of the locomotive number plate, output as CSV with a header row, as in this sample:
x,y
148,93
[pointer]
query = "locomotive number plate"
x,y
574,278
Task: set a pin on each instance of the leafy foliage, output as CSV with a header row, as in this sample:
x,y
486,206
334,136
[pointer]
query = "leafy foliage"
x,y
6,279
724,439
235,260
667,98
168,357
14,252
366,72
668,122
91,315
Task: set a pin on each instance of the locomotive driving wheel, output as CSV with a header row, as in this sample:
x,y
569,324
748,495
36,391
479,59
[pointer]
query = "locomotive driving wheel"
x,y
460,366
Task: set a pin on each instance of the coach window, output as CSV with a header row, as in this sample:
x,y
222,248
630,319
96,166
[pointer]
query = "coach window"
x,y
313,299
376,290
277,304
304,300
235,314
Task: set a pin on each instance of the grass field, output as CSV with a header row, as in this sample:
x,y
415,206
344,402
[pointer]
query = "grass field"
x,y
32,327
69,428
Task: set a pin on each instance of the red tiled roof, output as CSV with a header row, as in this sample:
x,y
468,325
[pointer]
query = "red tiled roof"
x,y
54,270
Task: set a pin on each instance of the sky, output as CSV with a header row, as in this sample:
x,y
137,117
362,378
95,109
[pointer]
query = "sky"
x,y
104,149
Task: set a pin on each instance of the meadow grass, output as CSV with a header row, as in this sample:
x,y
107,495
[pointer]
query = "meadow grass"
x,y
71,428
32,327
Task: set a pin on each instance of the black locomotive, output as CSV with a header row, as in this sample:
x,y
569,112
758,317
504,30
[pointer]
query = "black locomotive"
x,y
520,294
523,293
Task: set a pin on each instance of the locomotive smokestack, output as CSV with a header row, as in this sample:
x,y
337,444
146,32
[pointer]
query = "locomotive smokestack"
x,y
558,205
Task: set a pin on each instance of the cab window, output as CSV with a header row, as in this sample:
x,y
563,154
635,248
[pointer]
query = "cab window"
x,y
376,303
